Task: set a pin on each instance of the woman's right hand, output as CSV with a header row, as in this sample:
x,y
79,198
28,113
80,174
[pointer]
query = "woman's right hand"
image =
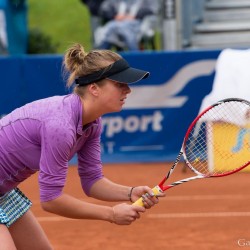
x,y
124,214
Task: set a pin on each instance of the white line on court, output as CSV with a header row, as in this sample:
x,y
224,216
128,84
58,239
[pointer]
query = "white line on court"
x,y
198,215
163,216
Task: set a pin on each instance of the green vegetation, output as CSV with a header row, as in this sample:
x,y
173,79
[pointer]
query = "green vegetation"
x,y
59,23
55,24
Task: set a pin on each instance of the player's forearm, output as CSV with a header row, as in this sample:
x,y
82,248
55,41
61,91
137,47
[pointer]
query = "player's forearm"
x,y
106,190
71,207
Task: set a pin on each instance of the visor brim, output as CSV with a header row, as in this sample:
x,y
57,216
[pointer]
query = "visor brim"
x,y
129,76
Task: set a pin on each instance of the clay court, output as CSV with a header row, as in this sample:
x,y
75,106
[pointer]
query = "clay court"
x,y
202,214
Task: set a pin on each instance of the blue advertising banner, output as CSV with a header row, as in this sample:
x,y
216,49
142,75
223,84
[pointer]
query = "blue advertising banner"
x,y
157,112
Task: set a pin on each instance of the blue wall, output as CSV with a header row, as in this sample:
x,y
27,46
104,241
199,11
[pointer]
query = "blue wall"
x,y
157,113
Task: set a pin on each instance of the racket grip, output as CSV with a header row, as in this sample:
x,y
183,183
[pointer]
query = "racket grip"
x,y
156,190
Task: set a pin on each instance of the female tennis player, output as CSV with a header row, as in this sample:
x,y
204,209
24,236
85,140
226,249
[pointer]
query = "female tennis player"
x,y
45,134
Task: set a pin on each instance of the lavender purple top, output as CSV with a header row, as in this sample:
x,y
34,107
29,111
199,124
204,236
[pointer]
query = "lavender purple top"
x,y
43,136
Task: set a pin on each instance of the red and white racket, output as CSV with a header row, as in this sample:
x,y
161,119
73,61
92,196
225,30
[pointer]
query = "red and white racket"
x,y
216,144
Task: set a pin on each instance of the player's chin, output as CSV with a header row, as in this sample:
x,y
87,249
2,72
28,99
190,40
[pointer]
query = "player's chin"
x,y
113,109
118,108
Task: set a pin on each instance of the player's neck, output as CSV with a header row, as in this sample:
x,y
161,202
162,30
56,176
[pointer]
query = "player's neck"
x,y
90,112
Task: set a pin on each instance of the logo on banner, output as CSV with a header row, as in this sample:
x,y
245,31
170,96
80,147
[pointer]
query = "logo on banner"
x,y
132,124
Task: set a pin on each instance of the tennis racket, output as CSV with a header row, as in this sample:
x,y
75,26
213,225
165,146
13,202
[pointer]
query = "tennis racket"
x,y
216,144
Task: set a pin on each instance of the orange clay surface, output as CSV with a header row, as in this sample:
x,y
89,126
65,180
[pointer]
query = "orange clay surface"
x,y
210,214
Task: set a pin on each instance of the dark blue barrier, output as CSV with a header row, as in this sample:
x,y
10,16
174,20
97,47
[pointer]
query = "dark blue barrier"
x,y
157,113
27,78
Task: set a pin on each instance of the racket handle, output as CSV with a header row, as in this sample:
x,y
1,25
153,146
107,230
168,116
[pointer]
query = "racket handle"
x,y
156,190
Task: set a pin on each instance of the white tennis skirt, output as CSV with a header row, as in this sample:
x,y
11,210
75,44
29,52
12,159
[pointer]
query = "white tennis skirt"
x,y
13,205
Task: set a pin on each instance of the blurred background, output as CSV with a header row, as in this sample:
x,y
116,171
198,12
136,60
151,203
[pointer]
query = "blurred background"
x,y
180,25
193,49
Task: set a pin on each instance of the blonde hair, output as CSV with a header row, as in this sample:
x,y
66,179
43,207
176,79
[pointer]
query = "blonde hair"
x,y
78,63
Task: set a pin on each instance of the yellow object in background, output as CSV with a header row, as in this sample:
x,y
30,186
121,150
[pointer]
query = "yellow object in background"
x,y
230,146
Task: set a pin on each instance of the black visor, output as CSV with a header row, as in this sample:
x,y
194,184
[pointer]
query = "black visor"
x,y
119,71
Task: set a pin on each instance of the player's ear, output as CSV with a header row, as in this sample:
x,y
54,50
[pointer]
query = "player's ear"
x,y
94,89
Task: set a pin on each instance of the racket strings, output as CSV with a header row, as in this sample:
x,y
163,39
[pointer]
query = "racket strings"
x,y
219,142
